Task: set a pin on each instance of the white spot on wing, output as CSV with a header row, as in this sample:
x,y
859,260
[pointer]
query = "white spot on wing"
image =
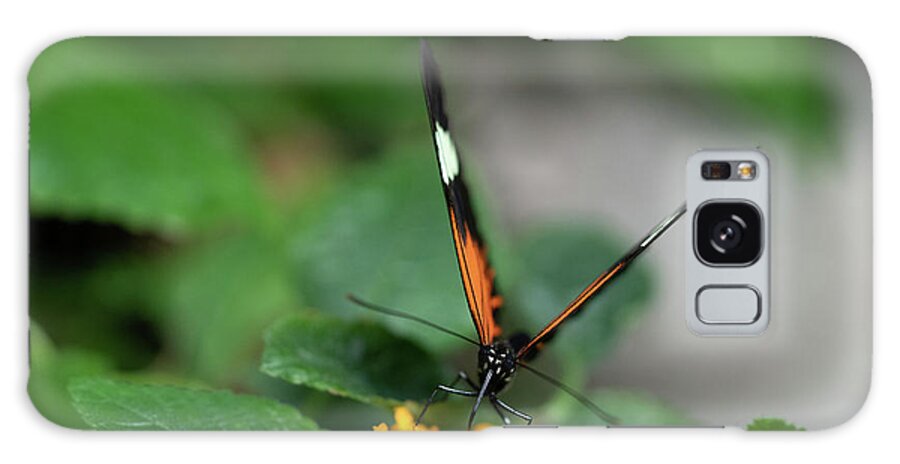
x,y
447,157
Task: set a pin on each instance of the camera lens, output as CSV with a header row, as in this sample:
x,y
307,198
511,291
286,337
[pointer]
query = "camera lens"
x,y
728,233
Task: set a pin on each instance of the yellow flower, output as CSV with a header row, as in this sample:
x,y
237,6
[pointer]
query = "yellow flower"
x,y
403,421
406,422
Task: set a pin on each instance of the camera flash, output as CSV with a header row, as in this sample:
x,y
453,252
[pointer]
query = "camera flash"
x,y
746,170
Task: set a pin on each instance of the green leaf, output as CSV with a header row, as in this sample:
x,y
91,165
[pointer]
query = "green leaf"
x,y
360,360
558,263
629,407
150,157
383,234
108,404
772,424
50,373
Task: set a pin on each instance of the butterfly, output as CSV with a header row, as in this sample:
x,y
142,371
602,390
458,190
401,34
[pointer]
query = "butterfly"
x,y
499,357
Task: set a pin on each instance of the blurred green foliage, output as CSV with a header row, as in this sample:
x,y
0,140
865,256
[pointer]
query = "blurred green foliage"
x,y
558,262
779,82
765,424
189,196
630,408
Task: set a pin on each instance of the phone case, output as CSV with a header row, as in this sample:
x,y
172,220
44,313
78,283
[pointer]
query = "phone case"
x,y
325,233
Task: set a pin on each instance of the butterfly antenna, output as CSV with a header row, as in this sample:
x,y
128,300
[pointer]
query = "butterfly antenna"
x,y
404,315
605,416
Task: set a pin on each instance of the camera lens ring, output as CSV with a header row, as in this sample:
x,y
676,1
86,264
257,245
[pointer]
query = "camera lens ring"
x,y
743,244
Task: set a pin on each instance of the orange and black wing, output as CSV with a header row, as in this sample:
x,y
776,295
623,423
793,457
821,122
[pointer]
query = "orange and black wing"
x,y
537,342
477,274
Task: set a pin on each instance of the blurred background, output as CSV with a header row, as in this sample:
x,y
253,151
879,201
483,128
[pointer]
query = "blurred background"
x,y
199,204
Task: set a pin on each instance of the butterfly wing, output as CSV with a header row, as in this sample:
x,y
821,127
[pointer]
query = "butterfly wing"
x,y
537,342
477,274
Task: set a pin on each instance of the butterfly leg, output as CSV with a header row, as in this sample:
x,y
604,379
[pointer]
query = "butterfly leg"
x,y
499,411
514,411
479,397
493,398
449,389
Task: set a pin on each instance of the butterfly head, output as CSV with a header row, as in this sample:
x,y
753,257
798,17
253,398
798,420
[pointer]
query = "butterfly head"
x,y
499,358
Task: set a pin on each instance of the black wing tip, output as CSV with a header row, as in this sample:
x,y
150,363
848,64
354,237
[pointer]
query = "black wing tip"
x,y
434,89
424,47
429,65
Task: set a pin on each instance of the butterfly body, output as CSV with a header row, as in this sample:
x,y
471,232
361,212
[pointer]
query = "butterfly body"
x,y
498,358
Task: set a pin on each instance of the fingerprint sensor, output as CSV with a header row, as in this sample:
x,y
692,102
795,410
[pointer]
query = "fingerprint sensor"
x,y
728,304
